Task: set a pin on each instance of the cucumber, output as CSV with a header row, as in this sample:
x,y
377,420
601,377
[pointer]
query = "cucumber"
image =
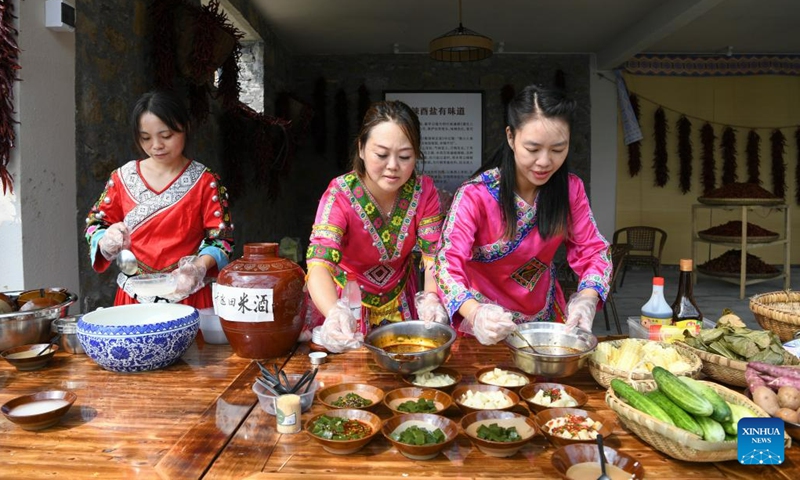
x,y
722,412
639,401
682,395
737,413
712,430
679,417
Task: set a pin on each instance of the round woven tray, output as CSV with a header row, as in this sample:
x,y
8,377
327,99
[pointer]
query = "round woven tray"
x,y
676,442
730,239
778,312
740,201
603,374
721,369
714,273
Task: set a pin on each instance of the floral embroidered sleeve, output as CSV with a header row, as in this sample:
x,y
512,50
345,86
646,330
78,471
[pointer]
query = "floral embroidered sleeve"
x,y
103,214
429,229
588,252
218,241
330,225
455,249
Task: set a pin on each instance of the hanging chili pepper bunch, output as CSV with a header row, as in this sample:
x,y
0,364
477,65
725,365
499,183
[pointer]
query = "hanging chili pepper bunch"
x,y
753,160
9,55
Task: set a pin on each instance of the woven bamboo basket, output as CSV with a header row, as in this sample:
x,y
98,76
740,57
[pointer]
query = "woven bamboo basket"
x,y
674,441
603,374
726,370
778,312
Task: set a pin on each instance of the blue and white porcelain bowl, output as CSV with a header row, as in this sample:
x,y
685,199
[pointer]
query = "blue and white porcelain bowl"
x,y
137,338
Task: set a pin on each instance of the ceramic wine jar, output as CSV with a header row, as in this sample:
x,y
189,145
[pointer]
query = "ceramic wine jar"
x,y
258,298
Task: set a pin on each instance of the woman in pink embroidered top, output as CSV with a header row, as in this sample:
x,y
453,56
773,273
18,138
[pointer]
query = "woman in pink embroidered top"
x,y
494,266
367,224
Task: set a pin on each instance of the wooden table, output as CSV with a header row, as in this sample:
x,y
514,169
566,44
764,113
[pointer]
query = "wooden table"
x,y
200,419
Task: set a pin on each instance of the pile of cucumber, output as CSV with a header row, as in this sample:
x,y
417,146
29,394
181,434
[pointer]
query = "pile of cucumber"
x,y
687,404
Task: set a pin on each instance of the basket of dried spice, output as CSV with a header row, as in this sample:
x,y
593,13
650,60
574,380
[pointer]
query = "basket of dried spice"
x,y
778,312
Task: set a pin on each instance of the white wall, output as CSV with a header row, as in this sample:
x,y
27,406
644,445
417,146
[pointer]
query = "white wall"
x,y
39,224
604,150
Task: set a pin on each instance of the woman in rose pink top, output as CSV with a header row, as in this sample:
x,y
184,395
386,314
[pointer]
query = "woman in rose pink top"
x,y
494,266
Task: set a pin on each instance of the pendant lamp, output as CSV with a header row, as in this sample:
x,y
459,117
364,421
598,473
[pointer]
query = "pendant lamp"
x,y
461,45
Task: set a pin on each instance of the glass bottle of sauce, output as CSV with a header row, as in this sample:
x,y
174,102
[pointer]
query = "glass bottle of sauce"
x,y
684,307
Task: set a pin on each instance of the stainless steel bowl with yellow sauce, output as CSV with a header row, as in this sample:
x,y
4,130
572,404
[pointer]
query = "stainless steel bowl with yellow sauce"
x,y
409,347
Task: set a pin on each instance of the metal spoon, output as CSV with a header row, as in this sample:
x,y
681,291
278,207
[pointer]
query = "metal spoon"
x,y
127,263
603,475
533,349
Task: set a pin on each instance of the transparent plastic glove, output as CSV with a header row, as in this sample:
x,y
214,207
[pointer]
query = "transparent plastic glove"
x,y
116,238
430,309
489,323
580,311
339,331
189,276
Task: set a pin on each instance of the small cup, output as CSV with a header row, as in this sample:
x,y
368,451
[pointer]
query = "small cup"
x,y
317,358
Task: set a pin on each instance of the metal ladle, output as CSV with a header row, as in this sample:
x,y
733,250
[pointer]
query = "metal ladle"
x,y
127,263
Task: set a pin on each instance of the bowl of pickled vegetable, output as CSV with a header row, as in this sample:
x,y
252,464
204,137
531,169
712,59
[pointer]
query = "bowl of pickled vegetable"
x,y
343,431
442,378
351,395
504,376
478,397
420,436
497,433
541,396
417,400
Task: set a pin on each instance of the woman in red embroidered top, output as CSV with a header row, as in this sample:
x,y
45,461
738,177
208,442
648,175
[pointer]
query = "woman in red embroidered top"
x,y
170,211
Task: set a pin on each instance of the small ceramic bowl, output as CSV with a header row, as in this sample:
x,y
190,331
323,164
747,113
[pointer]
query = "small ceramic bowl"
x,y
433,378
524,426
345,447
569,455
484,376
39,410
328,395
546,415
396,397
460,392
529,391
53,295
25,357
399,423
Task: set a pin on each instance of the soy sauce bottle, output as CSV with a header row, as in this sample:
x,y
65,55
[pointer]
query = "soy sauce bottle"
x,y
684,307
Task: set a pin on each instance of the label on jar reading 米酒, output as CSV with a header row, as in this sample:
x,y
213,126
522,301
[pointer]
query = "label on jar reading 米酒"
x,y
236,304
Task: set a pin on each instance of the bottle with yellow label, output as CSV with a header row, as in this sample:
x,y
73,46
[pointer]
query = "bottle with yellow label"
x,y
656,311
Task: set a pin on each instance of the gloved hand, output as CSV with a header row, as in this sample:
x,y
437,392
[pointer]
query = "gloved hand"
x,y
489,323
190,276
116,238
340,332
430,309
580,311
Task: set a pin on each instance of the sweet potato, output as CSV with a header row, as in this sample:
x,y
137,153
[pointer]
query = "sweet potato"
x,y
766,399
789,397
787,415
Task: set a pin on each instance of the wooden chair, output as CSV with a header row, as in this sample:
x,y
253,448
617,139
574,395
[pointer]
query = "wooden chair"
x,y
619,255
646,247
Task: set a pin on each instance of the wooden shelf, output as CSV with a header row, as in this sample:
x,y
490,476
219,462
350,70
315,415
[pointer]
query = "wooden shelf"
x,y
744,245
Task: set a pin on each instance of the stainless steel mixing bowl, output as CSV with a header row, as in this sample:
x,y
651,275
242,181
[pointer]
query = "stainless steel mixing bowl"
x,y
416,362
559,353
33,326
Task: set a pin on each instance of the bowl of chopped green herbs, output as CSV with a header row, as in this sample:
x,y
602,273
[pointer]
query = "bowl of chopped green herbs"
x,y
497,433
417,400
420,436
351,395
343,431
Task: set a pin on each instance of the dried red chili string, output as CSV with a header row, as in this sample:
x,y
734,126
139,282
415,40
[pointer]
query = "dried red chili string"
x,y
753,160
685,153
778,147
708,174
9,56
660,151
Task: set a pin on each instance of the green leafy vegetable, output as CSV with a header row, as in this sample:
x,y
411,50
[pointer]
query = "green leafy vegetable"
x,y
338,428
422,405
740,343
496,433
415,435
352,400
